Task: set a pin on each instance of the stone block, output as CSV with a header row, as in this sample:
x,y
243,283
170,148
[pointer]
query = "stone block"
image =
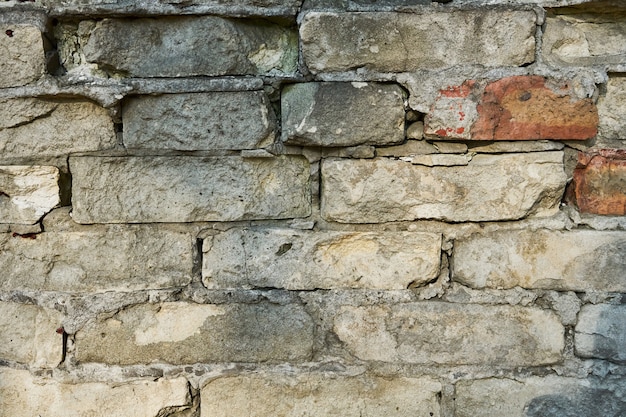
x,y
512,108
490,187
451,334
185,189
583,260
612,109
192,46
23,58
307,260
33,128
601,332
118,258
27,193
545,396
185,333
585,39
199,121
599,185
21,394
404,42
342,114
313,394
28,335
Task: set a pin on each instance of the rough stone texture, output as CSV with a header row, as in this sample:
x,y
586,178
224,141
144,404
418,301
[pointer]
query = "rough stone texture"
x,y
27,193
583,39
548,396
31,128
512,108
189,46
342,114
23,395
307,260
583,260
525,146
601,332
119,258
397,42
599,185
104,189
612,109
445,333
28,335
199,121
491,187
23,58
181,333
313,394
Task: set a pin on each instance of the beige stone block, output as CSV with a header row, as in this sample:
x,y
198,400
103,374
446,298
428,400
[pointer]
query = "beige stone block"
x,y
23,58
27,193
612,109
307,260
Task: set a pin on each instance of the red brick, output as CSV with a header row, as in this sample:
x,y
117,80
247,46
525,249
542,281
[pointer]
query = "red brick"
x,y
599,185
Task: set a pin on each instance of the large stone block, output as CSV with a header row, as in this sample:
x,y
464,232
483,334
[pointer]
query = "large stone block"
x,y
601,332
313,394
399,42
199,121
23,395
306,260
548,396
31,127
342,114
27,193
190,46
599,185
512,108
451,334
28,335
23,58
490,187
185,189
583,260
612,109
585,39
120,258
182,333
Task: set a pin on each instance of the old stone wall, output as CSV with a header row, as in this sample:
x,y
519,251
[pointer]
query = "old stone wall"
x,y
312,208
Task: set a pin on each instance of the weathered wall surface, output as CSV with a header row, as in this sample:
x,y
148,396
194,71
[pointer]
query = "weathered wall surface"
x,y
320,207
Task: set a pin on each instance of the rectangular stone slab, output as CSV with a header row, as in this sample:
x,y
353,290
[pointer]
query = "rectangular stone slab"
x,y
401,42
199,121
307,260
185,333
577,260
317,395
23,58
490,187
452,334
27,193
119,258
186,189
601,332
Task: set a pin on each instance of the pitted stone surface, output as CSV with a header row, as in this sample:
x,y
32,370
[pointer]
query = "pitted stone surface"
x,y
191,46
582,260
313,394
342,114
28,335
490,187
601,332
186,333
33,128
23,58
21,394
104,189
307,260
199,121
446,333
399,42
612,109
27,193
118,258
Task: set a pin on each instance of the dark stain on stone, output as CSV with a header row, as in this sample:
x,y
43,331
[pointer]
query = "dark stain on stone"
x,y
284,248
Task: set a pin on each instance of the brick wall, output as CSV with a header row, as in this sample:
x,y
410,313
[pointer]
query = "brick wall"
x,y
312,208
